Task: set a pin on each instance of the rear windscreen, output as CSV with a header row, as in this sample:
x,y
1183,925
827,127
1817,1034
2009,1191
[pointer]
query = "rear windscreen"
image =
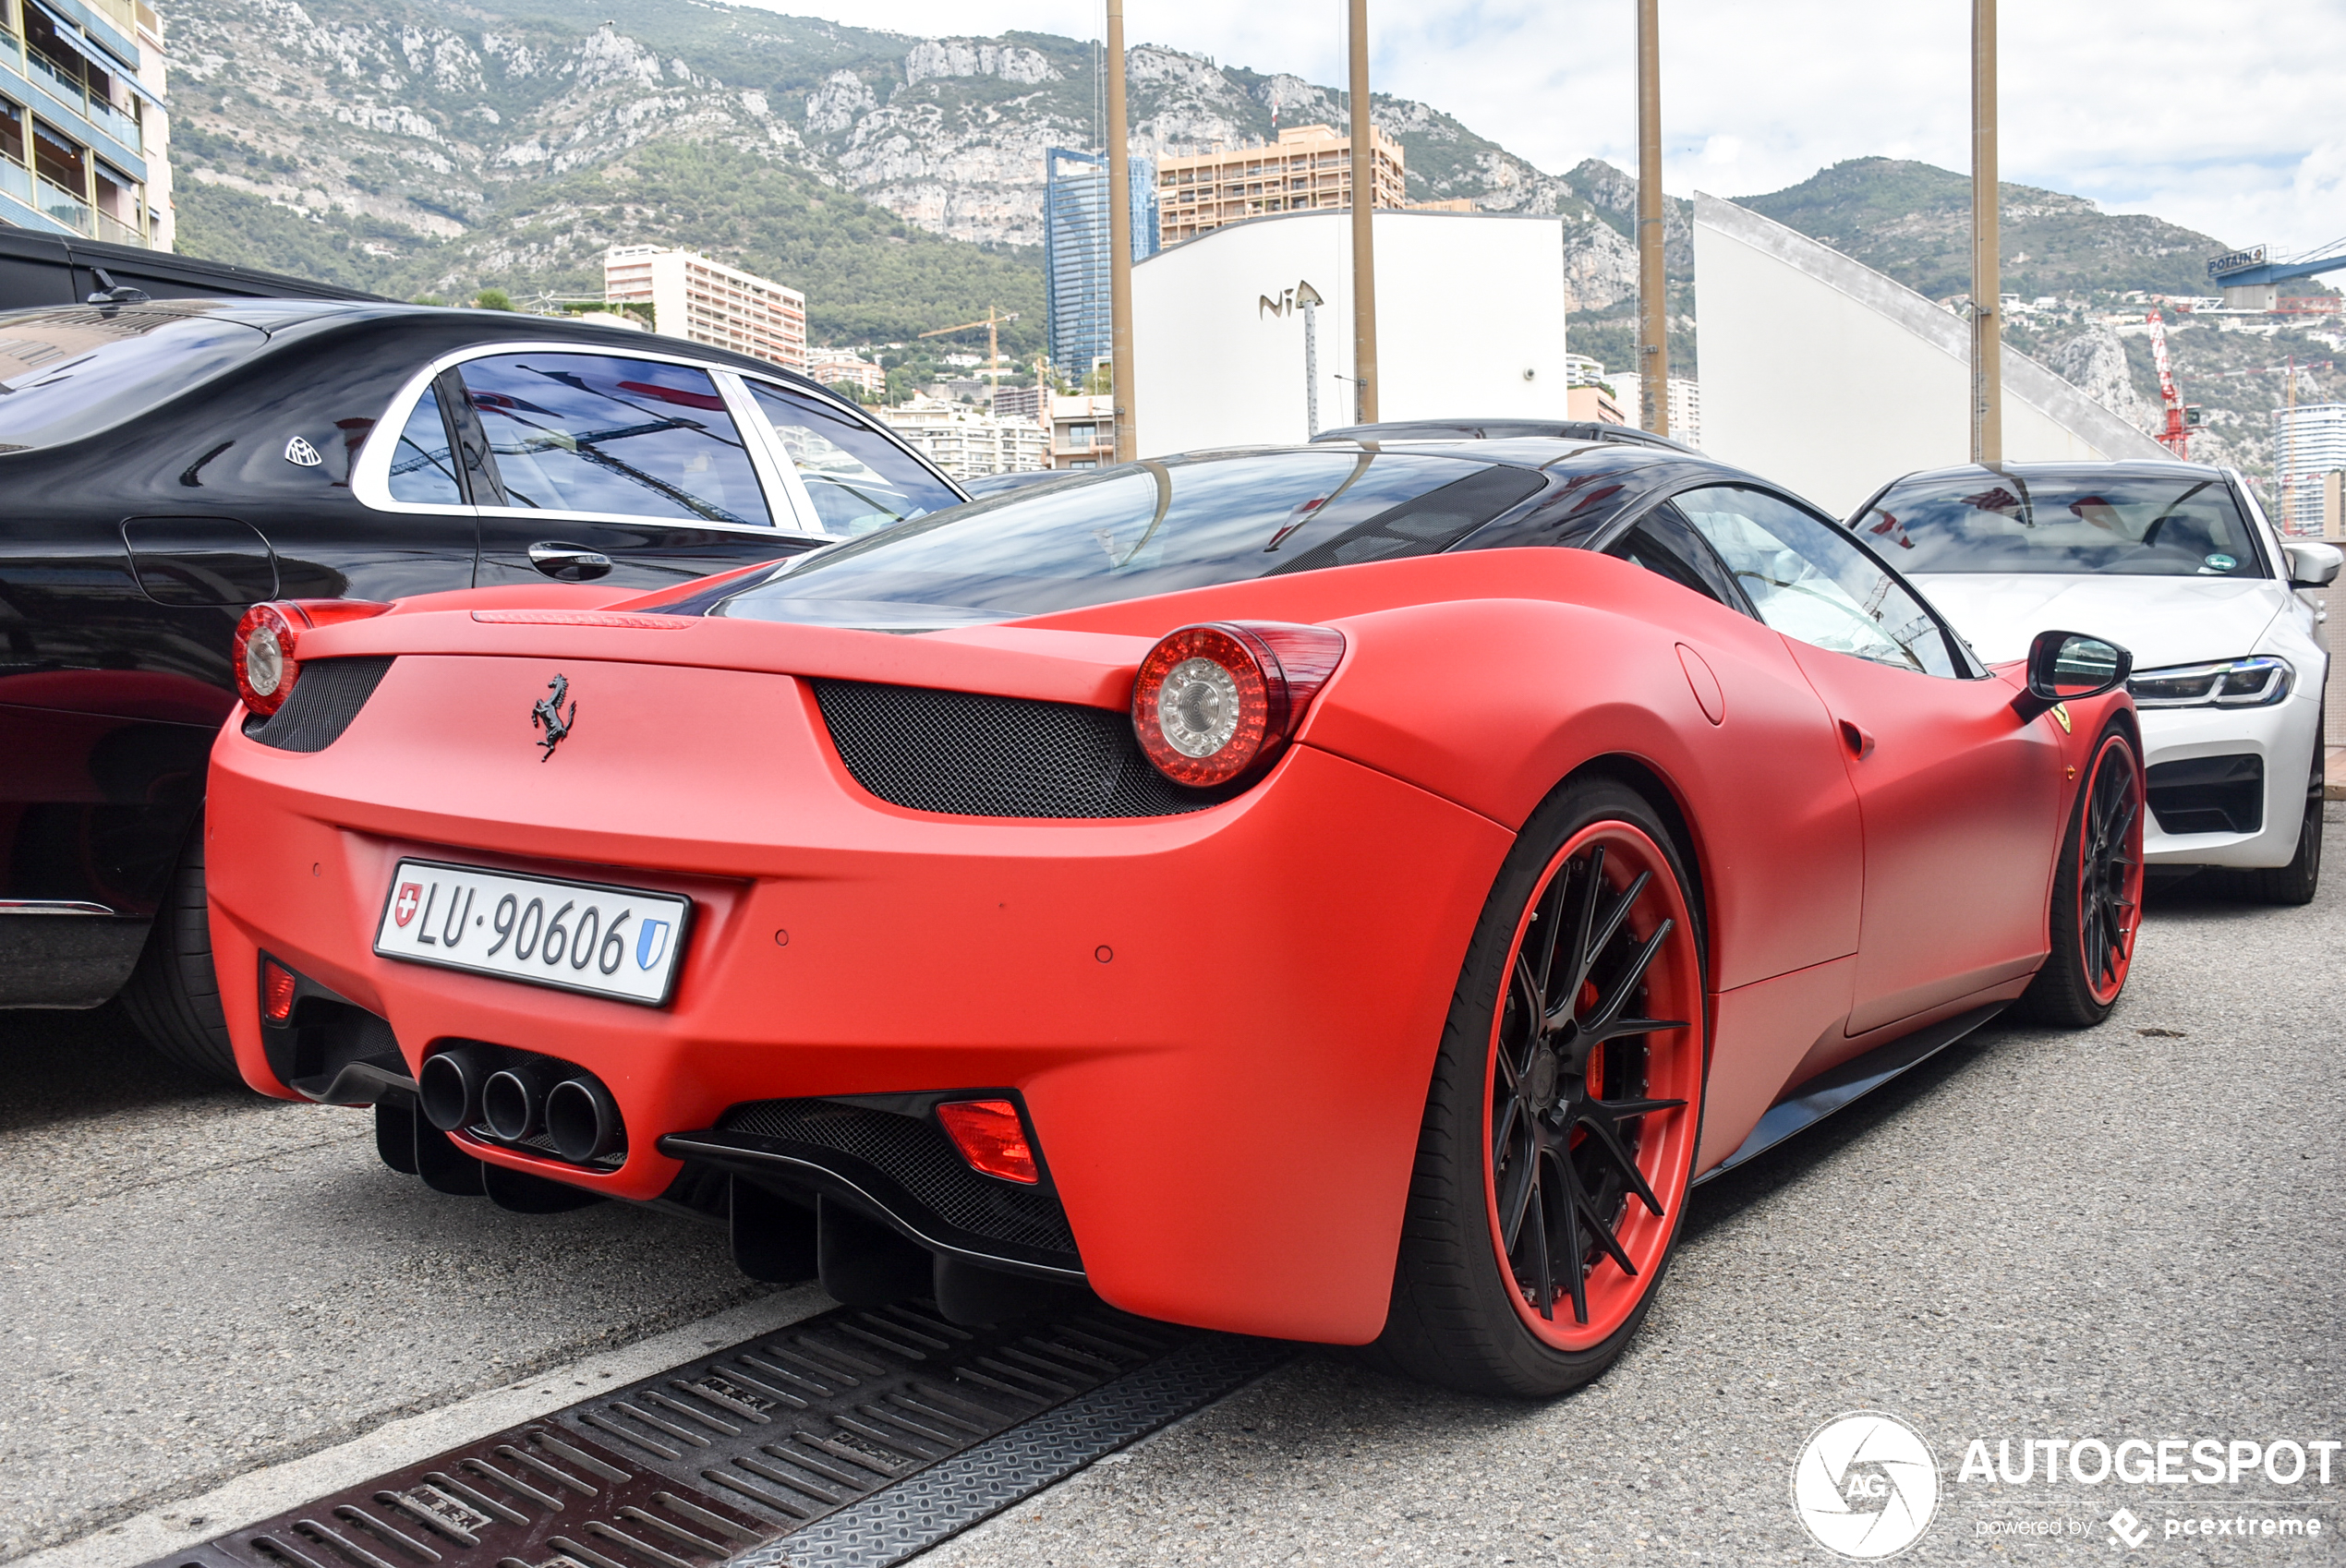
x,y
73,371
2183,525
1146,529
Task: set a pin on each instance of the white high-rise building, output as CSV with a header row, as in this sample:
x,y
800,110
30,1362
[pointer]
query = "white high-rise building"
x,y
2309,441
967,442
709,302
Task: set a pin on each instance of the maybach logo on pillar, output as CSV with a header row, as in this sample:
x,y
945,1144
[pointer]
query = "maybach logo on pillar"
x,y
1866,1486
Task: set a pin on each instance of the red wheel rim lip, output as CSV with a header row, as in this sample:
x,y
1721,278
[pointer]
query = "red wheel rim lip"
x,y
2105,995
1666,1161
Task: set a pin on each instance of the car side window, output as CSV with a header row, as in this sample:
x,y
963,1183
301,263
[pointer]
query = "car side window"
x,y
1808,580
422,468
1664,543
857,479
590,432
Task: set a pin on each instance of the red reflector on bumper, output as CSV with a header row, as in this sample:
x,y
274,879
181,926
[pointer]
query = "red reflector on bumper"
x,y
991,1139
276,992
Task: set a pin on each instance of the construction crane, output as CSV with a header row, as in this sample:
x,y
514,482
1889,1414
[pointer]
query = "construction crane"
x,y
993,325
2176,437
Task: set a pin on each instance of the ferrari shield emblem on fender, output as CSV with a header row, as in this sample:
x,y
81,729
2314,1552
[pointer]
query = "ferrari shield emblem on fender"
x,y
2061,715
547,715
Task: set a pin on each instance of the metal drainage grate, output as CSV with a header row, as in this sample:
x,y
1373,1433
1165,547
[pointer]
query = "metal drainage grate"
x,y
906,1428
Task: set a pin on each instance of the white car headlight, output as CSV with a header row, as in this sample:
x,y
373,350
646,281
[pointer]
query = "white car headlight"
x,y
2258,682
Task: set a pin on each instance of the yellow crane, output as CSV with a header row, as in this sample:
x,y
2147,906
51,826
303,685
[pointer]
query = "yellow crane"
x,y
993,325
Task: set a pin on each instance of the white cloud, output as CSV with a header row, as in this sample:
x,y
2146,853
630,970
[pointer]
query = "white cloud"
x,y
2223,120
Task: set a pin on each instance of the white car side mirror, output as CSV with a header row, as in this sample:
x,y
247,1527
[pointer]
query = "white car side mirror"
x,y
2311,566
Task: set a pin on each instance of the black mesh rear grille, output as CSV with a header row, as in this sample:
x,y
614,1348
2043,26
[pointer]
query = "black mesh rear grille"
x,y
980,756
326,697
914,1152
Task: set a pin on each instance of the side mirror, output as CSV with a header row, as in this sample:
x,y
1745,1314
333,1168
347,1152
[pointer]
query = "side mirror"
x,y
2311,565
2066,666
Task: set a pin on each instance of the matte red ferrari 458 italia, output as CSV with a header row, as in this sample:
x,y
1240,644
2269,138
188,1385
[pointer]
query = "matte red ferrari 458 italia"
x,y
1349,893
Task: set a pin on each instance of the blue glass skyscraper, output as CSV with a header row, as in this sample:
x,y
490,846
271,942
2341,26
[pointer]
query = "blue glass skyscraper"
x,y
1076,253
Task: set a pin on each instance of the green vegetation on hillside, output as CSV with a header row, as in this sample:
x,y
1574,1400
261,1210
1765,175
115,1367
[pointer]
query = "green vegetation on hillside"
x,y
1913,221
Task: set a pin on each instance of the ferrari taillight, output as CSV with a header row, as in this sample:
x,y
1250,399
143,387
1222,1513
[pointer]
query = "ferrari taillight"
x,y
991,1138
1216,702
263,652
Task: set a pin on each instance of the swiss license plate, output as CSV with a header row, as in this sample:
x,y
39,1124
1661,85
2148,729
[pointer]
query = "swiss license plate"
x,y
617,942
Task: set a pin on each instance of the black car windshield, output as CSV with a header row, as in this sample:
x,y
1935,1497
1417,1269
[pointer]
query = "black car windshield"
x,y
71,371
2181,525
1154,527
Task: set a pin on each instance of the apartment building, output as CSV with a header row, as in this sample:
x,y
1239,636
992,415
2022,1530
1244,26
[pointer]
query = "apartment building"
x,y
2309,443
1308,167
84,142
842,367
967,442
1082,431
709,302
1019,403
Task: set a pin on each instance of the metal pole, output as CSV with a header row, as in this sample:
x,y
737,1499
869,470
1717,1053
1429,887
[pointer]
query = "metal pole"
x,y
1312,366
1120,240
1653,289
1364,375
1987,277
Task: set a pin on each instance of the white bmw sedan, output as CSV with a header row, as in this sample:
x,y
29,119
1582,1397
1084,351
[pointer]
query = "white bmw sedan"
x,y
2176,563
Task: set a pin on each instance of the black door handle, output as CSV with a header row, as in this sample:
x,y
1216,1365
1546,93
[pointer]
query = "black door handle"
x,y
570,563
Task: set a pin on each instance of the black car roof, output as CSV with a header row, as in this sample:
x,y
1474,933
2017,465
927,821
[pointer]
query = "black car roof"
x,y
273,316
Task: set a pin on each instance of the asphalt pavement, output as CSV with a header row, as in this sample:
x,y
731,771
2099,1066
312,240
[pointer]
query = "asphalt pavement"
x,y
2126,1233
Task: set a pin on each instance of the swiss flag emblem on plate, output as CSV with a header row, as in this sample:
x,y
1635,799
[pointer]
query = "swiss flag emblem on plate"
x,y
402,908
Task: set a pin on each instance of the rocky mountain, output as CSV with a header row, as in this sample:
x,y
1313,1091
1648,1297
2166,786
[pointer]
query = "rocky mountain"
x,y
437,147
1913,221
440,146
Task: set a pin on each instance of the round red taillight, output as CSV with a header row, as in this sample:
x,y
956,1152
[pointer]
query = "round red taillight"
x,y
265,666
262,653
1212,703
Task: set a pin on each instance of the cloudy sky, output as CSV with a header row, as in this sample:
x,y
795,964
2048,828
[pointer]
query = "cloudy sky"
x,y
2227,119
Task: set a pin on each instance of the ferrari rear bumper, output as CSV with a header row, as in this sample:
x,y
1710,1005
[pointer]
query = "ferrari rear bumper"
x,y
1219,1024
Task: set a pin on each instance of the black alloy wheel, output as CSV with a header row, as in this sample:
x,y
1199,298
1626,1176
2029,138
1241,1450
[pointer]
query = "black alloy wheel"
x,y
1557,1148
2097,896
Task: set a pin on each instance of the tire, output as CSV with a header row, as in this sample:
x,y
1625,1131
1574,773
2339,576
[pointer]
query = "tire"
x,y
174,997
2096,894
1469,1311
2297,881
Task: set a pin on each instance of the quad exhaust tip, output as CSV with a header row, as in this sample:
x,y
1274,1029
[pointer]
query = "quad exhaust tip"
x,y
583,1120
449,1087
512,1101
522,1101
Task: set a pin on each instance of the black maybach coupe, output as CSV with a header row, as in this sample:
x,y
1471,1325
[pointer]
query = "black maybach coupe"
x,y
165,463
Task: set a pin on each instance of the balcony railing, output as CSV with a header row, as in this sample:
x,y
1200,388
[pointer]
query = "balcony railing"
x,y
63,205
11,51
114,123
114,231
122,127
56,77
16,180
